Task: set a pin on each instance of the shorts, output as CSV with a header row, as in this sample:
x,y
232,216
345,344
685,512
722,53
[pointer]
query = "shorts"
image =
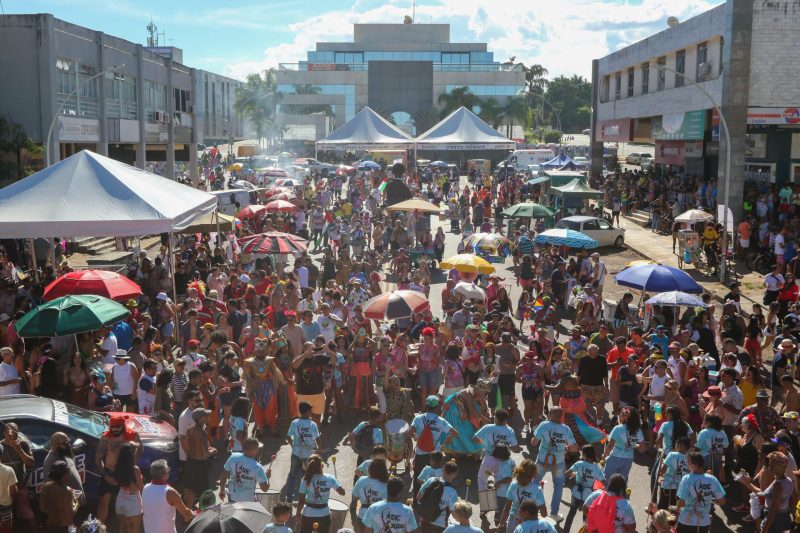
x,y
22,504
126,400
530,394
780,259
167,329
613,391
317,402
505,382
105,486
430,379
195,476
594,395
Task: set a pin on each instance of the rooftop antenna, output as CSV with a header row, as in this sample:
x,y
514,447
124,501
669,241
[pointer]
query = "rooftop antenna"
x,y
413,11
152,29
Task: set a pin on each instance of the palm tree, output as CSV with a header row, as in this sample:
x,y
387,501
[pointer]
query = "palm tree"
x,y
256,101
424,119
514,110
491,112
458,97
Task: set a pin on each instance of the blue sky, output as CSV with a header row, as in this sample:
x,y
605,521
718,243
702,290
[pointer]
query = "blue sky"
x,y
241,36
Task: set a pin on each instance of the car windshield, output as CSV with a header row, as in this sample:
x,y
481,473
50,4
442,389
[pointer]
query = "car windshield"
x,y
568,224
89,422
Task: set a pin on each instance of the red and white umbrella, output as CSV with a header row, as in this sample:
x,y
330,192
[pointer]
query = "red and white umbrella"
x,y
288,182
98,282
286,196
279,205
396,304
272,242
276,190
251,211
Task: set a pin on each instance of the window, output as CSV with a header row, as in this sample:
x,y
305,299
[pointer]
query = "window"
x,y
680,67
605,88
603,224
590,225
65,78
721,49
662,74
182,101
630,82
348,58
617,85
455,58
645,77
84,73
702,62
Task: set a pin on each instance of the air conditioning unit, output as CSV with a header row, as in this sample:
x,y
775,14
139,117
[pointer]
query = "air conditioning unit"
x,y
157,116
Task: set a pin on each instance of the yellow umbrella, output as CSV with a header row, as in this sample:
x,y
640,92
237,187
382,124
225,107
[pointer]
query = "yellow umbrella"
x,y
468,263
414,204
639,262
236,166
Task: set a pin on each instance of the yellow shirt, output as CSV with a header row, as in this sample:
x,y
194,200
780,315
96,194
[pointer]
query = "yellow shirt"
x,y
347,209
748,393
709,235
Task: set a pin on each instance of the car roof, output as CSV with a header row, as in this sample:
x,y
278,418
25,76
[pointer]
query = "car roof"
x,y
579,218
27,405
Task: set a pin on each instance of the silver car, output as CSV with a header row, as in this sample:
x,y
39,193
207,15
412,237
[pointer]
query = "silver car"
x,y
596,228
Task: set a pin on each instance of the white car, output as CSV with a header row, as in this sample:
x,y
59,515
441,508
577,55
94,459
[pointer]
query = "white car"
x,y
646,162
634,158
596,228
581,161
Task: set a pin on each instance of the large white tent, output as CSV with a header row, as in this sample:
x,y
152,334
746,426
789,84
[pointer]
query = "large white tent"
x,y
367,130
463,130
88,195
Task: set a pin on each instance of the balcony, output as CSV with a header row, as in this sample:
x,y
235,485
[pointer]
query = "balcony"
x,y
79,106
121,109
437,67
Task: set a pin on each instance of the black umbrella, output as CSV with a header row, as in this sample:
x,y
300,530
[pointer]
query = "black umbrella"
x,y
244,517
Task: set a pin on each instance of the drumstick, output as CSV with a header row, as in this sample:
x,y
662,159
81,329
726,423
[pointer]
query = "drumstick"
x,y
333,459
469,482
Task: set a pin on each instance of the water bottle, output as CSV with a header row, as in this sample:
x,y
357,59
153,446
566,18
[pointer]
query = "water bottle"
x,y
658,412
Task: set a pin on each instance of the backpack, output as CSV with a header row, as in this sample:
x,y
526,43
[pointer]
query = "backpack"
x,y
429,506
364,441
600,518
425,442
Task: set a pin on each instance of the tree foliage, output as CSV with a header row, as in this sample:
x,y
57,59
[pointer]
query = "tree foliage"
x,y
572,96
15,142
458,97
256,101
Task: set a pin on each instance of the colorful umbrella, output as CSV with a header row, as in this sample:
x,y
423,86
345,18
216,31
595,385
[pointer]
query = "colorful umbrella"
x,y
469,290
658,278
285,196
487,240
235,166
272,242
468,263
288,182
70,315
396,304
276,190
251,211
694,215
528,210
279,205
98,282
414,204
676,299
566,237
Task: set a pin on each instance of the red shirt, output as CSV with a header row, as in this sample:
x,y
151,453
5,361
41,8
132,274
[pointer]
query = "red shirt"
x,y
614,354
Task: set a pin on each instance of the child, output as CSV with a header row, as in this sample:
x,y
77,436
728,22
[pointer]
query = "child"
x,y
240,410
503,474
378,452
434,469
281,513
462,512
672,471
712,443
585,472
530,523
303,436
362,443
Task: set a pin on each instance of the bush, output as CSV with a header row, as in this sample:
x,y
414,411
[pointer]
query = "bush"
x,y
547,135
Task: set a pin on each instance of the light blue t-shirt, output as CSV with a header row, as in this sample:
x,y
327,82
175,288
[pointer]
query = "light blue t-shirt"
x,y
698,492
491,435
535,526
244,476
390,517
237,424
677,467
368,491
586,474
303,432
277,528
504,470
458,528
624,515
428,472
318,492
447,503
440,428
337,370
363,468
624,443
310,331
517,494
709,440
554,439
377,432
667,429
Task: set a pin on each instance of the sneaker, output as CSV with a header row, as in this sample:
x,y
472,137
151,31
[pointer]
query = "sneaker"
x,y
557,518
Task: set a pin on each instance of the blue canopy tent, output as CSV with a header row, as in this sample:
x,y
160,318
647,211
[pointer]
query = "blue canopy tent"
x,y
558,162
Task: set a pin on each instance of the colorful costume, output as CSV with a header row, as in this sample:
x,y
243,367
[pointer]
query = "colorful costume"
x,y
574,407
462,444
360,384
261,388
287,398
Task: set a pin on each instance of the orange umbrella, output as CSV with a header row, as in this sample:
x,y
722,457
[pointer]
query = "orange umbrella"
x,y
279,205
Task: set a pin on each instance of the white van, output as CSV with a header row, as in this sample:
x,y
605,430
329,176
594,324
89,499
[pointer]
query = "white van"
x,y
520,159
227,200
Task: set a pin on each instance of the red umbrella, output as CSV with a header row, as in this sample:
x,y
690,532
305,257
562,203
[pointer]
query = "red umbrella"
x,y
251,211
280,205
276,190
272,242
98,282
396,304
286,196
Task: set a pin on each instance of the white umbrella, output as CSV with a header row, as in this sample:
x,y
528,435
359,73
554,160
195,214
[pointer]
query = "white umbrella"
x,y
469,290
694,215
675,299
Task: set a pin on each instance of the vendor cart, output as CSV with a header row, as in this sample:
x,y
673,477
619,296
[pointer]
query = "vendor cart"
x,y
690,249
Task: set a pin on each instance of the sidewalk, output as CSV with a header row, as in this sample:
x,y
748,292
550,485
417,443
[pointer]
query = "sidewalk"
x,y
658,248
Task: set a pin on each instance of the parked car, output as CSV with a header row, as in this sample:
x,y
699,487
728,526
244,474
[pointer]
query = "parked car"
x,y
634,158
318,166
581,161
38,418
596,228
646,162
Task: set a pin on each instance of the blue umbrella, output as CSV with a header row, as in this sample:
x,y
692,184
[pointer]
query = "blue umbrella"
x,y
676,298
437,164
368,165
566,237
658,278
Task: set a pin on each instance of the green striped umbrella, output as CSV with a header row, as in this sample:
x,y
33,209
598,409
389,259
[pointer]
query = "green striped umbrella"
x,y
70,315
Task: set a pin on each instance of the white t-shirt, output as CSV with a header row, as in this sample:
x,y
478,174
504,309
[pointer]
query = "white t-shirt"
x,y
185,423
327,327
302,277
9,372
773,282
780,244
110,344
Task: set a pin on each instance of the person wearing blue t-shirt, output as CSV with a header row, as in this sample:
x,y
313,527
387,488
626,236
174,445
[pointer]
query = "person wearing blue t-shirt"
x,y
378,452
490,436
432,470
303,435
315,491
622,441
449,495
503,479
242,473
585,472
672,471
624,520
237,423
281,514
371,488
462,512
441,433
697,493
553,439
529,521
524,487
376,438
712,443
392,515
670,431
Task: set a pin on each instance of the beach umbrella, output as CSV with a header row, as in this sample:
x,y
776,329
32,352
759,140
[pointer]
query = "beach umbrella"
x,y
469,290
279,205
395,304
414,204
658,278
694,215
368,165
566,237
70,315
528,210
639,262
487,240
241,517
272,242
251,211
98,282
468,263
285,196
676,299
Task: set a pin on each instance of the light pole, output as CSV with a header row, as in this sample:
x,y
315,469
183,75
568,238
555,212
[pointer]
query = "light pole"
x,y
115,68
727,181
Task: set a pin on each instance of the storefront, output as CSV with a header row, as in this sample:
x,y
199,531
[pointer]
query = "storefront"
x,y
773,144
679,140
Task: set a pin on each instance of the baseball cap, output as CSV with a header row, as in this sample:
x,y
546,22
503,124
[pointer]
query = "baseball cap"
x,y
193,343
162,296
432,401
762,393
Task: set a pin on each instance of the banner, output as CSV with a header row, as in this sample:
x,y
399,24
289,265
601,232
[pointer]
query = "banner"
x,y
466,147
669,153
756,145
680,126
714,126
74,129
321,66
774,116
613,130
367,146
693,149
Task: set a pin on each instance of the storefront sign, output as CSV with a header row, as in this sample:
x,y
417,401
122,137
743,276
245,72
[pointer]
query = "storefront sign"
x,y
756,146
680,126
693,149
774,116
613,131
156,133
714,126
466,147
78,129
321,66
669,152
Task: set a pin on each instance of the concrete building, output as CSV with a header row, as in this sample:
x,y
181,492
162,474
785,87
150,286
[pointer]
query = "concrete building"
x,y
740,53
216,119
396,69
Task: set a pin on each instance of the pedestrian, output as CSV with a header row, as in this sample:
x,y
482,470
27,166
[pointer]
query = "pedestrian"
x,y
622,441
697,493
161,501
623,517
391,515
58,501
490,436
431,432
128,506
462,512
368,490
303,435
106,458
243,474
61,451
198,453
314,493
436,499
586,474
524,487
554,439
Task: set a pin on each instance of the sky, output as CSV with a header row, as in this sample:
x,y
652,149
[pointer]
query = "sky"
x,y
239,37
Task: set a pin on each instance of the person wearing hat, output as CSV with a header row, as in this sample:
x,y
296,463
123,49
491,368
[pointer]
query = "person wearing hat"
x,y
782,363
767,417
122,379
598,276
431,432
262,380
198,453
460,319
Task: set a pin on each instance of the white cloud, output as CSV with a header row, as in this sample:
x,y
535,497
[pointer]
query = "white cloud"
x,y
564,40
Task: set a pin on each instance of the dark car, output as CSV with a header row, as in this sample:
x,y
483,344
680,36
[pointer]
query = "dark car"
x,y
38,418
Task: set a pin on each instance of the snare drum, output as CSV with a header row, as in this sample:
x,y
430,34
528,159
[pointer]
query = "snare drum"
x,y
487,499
268,499
339,512
396,437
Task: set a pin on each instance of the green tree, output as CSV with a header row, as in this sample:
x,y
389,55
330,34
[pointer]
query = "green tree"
x,y
14,140
569,95
491,112
256,101
424,119
458,97
514,111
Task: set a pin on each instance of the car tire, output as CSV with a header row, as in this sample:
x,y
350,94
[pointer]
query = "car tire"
x,y
619,242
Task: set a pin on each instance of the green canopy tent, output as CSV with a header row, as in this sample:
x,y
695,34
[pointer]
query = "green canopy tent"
x,y
559,178
573,194
528,211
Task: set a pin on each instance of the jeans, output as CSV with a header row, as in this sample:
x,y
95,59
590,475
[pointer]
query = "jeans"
x,y
617,465
296,470
557,470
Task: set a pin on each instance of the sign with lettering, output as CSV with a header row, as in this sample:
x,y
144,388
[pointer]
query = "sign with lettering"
x,y
77,129
613,131
786,116
680,126
669,152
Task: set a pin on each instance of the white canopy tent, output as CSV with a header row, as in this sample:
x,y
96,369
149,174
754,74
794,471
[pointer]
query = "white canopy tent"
x,y
463,130
88,195
367,130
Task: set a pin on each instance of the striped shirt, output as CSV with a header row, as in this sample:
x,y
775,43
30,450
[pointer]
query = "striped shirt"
x,y
524,245
178,385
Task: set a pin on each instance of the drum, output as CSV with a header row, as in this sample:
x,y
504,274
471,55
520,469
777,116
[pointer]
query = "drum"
x,y
487,499
339,512
396,437
268,499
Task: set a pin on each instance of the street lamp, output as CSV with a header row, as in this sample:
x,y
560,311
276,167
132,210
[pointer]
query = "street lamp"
x,y
727,182
115,69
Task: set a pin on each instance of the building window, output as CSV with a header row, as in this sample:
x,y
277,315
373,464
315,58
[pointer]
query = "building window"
x,y
645,77
680,67
605,88
349,58
721,49
618,86
181,101
662,74
455,58
703,68
630,82
89,90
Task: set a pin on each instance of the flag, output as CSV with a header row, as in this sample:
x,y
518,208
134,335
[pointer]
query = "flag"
x,y
499,400
382,186
538,305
